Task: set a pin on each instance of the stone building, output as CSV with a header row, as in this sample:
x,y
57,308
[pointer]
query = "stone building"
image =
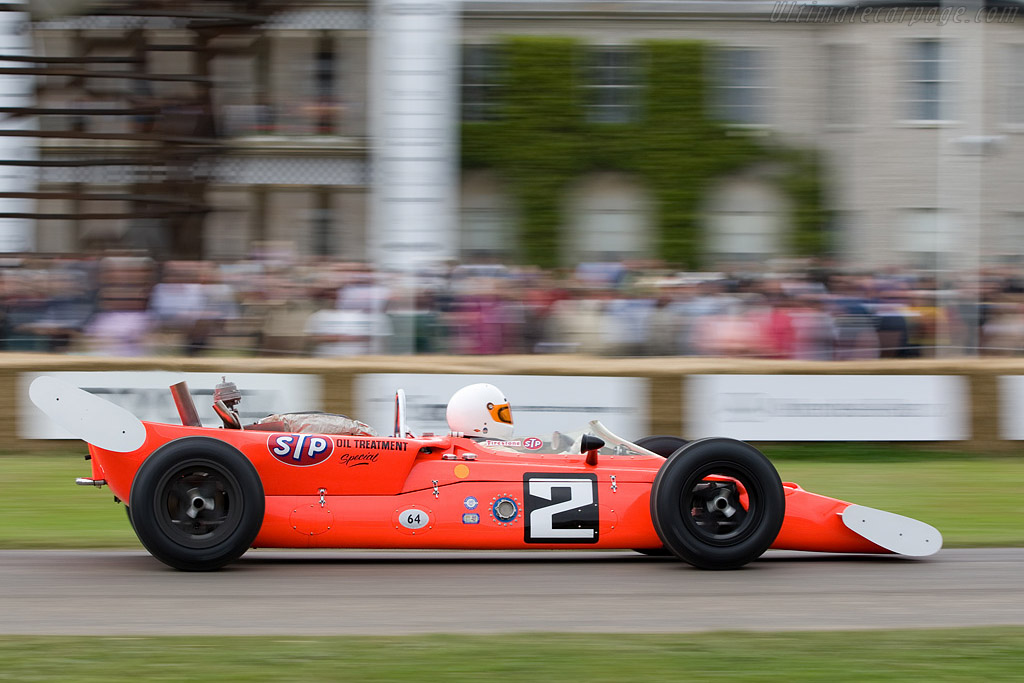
x,y
916,114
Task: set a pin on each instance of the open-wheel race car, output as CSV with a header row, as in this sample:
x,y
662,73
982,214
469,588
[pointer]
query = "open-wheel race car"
x,y
198,497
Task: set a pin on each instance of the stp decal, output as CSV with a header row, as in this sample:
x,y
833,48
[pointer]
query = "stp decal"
x,y
300,449
560,508
532,443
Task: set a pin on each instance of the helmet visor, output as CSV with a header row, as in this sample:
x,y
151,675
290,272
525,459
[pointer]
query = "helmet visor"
x,y
501,412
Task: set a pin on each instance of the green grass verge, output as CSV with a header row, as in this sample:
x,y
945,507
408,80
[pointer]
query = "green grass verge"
x,y
40,506
972,500
983,654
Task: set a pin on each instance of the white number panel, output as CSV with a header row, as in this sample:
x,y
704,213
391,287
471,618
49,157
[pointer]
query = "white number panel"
x,y
560,508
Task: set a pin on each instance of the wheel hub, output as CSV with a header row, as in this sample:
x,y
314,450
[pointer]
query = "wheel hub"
x,y
199,503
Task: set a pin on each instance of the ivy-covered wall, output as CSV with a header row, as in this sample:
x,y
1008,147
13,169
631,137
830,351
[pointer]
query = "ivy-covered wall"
x,y
541,140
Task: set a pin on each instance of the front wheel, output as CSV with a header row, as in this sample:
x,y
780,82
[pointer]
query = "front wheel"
x,y
197,504
717,503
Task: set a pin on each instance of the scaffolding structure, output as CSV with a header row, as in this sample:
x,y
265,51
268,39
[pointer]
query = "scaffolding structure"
x,y
126,148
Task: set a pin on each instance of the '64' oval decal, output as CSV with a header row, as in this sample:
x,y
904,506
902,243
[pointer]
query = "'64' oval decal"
x,y
413,518
300,449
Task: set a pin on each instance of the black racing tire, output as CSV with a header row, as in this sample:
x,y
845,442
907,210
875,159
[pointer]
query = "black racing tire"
x,y
197,504
703,521
662,445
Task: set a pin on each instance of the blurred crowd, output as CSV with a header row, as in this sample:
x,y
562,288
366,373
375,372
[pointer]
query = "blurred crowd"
x,y
131,306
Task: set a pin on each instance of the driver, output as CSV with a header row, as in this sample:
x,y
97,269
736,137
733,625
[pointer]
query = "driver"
x,y
480,411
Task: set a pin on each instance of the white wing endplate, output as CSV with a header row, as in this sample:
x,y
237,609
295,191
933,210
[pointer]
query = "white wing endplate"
x,y
86,416
893,532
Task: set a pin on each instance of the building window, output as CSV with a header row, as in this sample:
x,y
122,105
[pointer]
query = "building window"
x,y
841,91
323,109
742,85
1008,247
1015,84
746,220
321,227
613,85
929,238
928,87
487,222
480,82
610,217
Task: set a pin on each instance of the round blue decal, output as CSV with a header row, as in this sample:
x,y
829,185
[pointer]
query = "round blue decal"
x,y
505,510
471,503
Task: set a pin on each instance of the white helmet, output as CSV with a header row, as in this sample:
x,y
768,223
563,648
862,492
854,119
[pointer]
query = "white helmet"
x,y
480,410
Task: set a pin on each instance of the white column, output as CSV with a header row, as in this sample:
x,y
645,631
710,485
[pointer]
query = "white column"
x,y
413,126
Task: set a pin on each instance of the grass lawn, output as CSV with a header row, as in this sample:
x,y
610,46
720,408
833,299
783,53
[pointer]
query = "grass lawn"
x,y
983,654
972,500
40,506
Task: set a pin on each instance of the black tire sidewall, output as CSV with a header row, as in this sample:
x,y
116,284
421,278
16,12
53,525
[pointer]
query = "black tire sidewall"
x,y
663,445
144,505
764,488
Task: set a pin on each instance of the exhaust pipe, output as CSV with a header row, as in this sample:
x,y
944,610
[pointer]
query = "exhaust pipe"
x,y
186,407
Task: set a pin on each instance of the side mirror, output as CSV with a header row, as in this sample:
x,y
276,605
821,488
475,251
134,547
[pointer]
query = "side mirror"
x,y
591,445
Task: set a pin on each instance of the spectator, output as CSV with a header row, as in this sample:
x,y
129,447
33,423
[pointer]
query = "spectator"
x,y
274,306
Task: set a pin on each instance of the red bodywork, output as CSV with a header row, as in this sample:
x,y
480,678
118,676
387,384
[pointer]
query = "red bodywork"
x,y
380,492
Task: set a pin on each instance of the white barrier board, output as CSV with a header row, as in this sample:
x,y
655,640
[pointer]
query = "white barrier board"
x,y
827,407
145,394
1011,407
541,404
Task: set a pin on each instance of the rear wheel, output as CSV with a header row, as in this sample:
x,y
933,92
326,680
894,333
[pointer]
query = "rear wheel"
x,y
197,504
717,503
662,445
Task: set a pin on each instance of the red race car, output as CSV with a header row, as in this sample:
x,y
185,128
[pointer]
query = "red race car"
x,y
199,497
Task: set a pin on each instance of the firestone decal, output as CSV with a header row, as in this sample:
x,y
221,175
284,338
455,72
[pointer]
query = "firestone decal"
x,y
300,449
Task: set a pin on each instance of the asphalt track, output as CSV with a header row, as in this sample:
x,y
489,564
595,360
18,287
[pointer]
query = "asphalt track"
x,y
289,593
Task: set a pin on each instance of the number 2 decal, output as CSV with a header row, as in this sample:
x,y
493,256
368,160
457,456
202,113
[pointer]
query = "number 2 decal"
x,y
560,508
